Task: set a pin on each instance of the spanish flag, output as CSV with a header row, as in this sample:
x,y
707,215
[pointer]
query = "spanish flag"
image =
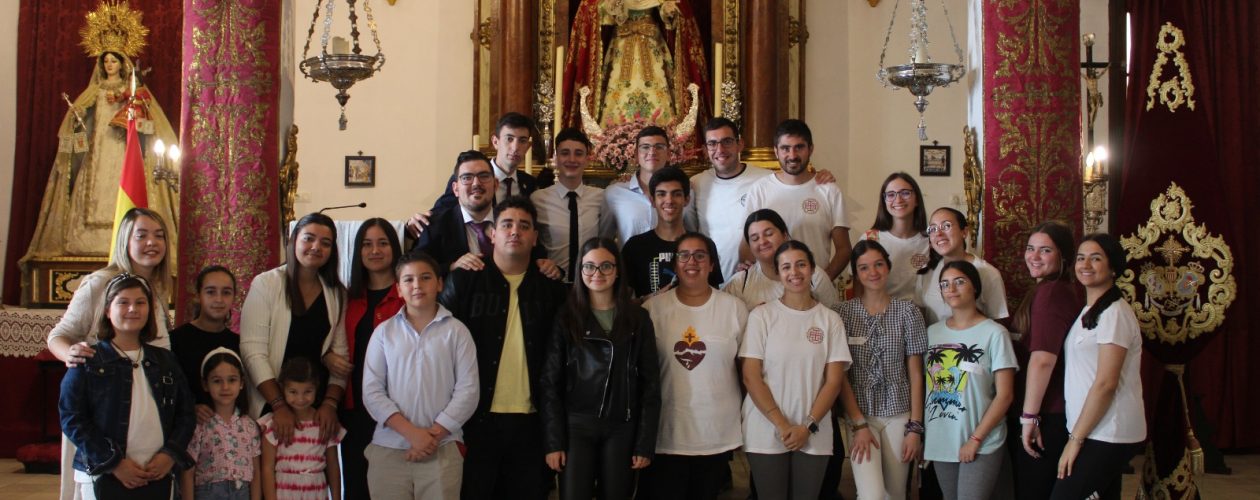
x,y
131,184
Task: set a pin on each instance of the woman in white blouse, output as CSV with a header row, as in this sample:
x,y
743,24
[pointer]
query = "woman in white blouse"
x,y
1102,378
294,310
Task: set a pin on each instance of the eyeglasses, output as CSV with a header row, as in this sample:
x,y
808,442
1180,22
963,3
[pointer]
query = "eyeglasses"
x,y
482,177
904,194
698,256
944,227
648,148
606,268
726,143
958,282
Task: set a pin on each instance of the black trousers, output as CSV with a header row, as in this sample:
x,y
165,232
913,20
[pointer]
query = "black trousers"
x,y
1034,478
684,477
505,457
1096,472
598,450
359,430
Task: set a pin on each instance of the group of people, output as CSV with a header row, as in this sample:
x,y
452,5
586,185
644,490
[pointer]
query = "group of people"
x,y
628,339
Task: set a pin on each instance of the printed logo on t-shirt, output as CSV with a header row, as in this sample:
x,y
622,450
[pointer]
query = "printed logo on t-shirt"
x,y
810,206
690,350
947,379
742,199
815,335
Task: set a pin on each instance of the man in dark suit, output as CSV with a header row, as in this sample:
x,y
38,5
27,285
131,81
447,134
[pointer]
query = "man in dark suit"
x,y
511,140
459,236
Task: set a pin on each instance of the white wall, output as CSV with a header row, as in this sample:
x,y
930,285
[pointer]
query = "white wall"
x,y
864,131
8,119
414,115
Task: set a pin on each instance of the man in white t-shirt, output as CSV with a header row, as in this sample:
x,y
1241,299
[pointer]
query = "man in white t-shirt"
x,y
718,194
815,213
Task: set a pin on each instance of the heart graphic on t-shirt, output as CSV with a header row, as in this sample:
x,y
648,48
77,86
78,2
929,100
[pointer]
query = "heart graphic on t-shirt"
x,y
690,350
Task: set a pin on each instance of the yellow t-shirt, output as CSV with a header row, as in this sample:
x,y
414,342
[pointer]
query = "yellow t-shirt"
x,y
511,394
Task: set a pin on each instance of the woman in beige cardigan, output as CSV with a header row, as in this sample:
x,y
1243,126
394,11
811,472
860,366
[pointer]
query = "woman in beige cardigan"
x,y
297,310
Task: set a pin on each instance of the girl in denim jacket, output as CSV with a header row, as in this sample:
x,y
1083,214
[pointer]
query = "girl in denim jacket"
x,y
127,409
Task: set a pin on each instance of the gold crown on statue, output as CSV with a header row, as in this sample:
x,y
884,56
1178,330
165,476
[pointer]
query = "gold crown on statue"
x,y
114,27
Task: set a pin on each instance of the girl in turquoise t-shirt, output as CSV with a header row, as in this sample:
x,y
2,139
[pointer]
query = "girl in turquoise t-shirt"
x,y
970,368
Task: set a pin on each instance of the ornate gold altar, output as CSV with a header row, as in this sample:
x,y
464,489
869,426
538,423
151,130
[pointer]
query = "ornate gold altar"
x,y
1180,291
638,59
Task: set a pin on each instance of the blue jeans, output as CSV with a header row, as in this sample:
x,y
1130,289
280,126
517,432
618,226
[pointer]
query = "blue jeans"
x,y
222,490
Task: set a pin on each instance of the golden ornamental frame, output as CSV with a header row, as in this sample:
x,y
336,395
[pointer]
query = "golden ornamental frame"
x,y
1172,310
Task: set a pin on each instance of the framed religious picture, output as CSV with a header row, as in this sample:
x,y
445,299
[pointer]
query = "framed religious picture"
x,y
361,171
934,160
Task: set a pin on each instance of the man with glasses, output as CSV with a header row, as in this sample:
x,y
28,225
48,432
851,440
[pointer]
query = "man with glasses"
x,y
511,140
648,258
459,237
568,211
814,212
628,204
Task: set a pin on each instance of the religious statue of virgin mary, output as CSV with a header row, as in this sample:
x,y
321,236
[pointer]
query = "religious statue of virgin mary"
x,y
637,57
77,213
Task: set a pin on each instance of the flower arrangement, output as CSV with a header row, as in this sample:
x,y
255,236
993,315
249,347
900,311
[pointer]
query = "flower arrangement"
x,y
615,148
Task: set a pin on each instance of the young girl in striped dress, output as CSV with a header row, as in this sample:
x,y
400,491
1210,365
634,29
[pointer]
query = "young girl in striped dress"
x,y
306,467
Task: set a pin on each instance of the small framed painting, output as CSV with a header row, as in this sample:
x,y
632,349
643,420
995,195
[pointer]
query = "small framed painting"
x,y
361,171
934,161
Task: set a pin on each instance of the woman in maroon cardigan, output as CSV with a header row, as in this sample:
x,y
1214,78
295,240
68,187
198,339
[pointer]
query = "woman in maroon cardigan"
x,y
1043,318
373,298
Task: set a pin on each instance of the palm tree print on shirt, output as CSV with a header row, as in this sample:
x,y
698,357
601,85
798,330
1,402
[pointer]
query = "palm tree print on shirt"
x,y
946,380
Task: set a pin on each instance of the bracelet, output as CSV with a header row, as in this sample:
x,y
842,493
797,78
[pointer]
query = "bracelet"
x,y
1030,418
276,402
857,426
915,427
1074,437
976,439
334,402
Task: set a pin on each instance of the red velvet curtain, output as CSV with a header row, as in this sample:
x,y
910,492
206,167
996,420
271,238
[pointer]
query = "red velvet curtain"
x,y
51,61
1212,152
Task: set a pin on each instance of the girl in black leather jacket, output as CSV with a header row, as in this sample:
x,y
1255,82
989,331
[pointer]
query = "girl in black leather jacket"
x,y
600,382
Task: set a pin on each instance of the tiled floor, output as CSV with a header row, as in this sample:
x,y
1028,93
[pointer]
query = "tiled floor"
x,y
1243,484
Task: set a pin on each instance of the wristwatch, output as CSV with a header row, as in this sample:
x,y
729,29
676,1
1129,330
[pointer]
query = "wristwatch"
x,y
813,425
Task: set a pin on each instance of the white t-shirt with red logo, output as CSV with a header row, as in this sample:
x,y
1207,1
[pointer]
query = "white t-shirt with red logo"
x,y
794,348
700,394
811,210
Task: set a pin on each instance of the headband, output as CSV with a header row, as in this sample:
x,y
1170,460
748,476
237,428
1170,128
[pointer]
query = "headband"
x,y
219,350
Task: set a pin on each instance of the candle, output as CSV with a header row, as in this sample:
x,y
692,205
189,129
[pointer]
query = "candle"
x,y
340,45
717,80
559,98
920,52
476,142
1089,166
529,162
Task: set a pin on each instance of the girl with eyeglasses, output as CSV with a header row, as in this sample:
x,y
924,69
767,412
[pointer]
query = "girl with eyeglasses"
x,y
1041,324
600,383
970,378
698,332
1103,378
794,361
901,228
765,231
127,409
947,231
139,248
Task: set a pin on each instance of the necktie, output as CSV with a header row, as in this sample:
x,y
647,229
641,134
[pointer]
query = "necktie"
x,y
483,240
573,234
507,182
